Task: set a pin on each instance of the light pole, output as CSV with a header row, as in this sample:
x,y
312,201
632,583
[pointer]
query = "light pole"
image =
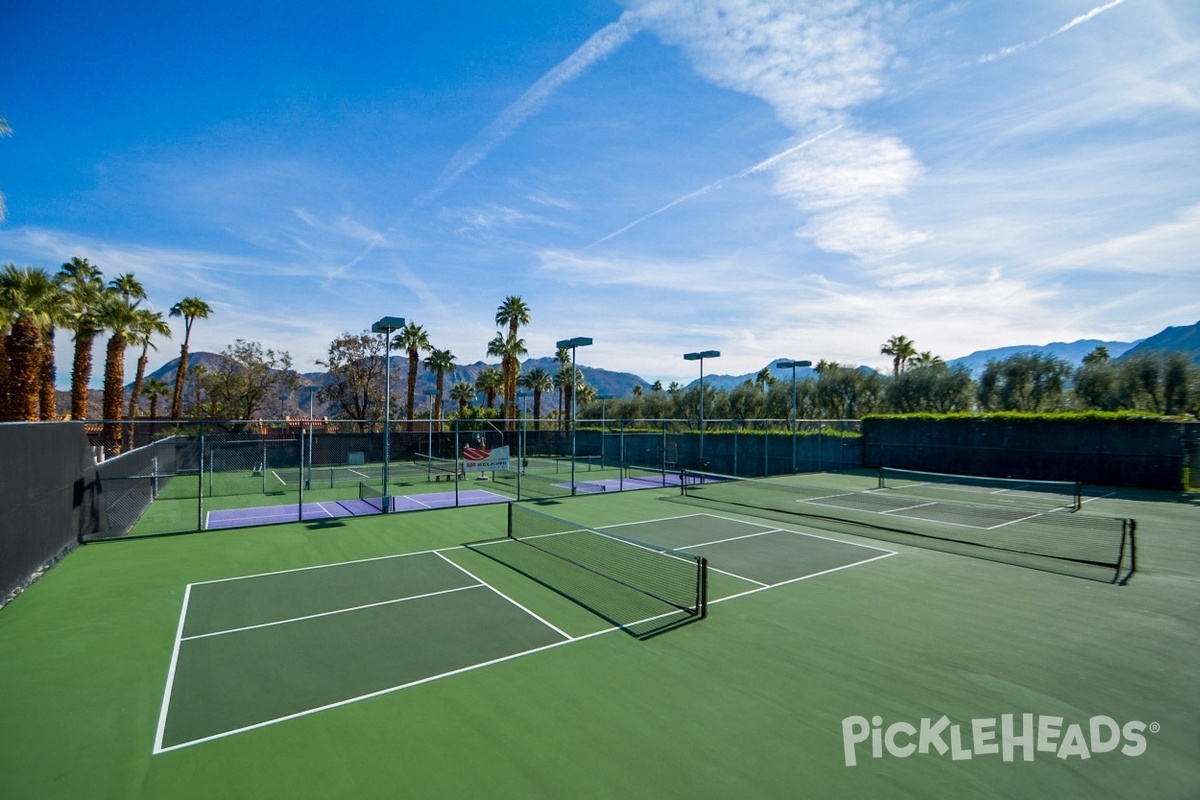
x,y
700,357
578,341
431,394
792,364
386,325
312,390
524,397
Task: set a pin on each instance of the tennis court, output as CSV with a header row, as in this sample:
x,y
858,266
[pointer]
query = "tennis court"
x,y
437,655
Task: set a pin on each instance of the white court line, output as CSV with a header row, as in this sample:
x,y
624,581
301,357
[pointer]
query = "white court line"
x,y
158,747
162,713
318,615
482,582
886,554
281,480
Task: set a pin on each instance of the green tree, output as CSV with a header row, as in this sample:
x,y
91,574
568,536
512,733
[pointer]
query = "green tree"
x,y
846,393
355,364
413,340
513,312
764,380
29,303
462,393
439,362
191,309
538,381
901,349
562,357
83,285
1099,355
243,377
118,316
509,350
932,387
490,381
149,324
154,389
1024,382
128,286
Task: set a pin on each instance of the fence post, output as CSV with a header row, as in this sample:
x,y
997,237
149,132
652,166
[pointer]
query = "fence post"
x,y
200,484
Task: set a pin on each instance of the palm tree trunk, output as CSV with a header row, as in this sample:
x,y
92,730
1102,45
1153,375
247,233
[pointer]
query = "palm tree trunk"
x,y
81,374
138,381
143,359
48,401
114,372
177,397
25,363
413,357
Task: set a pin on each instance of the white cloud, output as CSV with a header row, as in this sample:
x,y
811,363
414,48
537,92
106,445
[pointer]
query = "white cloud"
x,y
1169,247
814,63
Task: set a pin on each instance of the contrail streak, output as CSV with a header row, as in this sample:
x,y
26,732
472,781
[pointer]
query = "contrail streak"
x,y
1016,48
717,184
600,45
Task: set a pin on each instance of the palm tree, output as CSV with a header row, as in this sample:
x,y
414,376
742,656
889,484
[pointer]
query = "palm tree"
x,y
439,362
538,381
567,380
413,339
119,316
562,357
510,349
191,309
927,359
28,297
513,312
55,314
764,379
84,288
149,324
464,393
901,349
155,388
128,286
491,382
1099,355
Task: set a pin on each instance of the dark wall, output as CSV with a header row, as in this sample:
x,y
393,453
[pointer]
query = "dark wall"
x,y
1108,453
49,497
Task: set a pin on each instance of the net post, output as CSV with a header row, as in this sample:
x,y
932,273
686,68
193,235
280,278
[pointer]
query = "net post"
x,y
510,521
882,482
702,590
1078,496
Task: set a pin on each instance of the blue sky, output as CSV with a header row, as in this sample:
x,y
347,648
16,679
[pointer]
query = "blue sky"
x,y
767,179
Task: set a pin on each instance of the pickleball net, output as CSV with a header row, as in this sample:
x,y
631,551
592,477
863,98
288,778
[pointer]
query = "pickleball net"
x,y
1096,547
1047,495
602,570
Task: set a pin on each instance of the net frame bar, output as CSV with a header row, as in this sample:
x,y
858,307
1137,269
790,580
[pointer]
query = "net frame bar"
x,y
699,609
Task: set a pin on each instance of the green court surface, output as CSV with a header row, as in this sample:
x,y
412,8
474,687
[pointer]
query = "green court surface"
x,y
424,655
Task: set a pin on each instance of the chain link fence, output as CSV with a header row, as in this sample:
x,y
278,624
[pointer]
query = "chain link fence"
x,y
215,474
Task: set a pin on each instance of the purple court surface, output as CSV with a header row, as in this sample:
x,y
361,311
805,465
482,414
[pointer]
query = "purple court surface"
x,y
331,509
